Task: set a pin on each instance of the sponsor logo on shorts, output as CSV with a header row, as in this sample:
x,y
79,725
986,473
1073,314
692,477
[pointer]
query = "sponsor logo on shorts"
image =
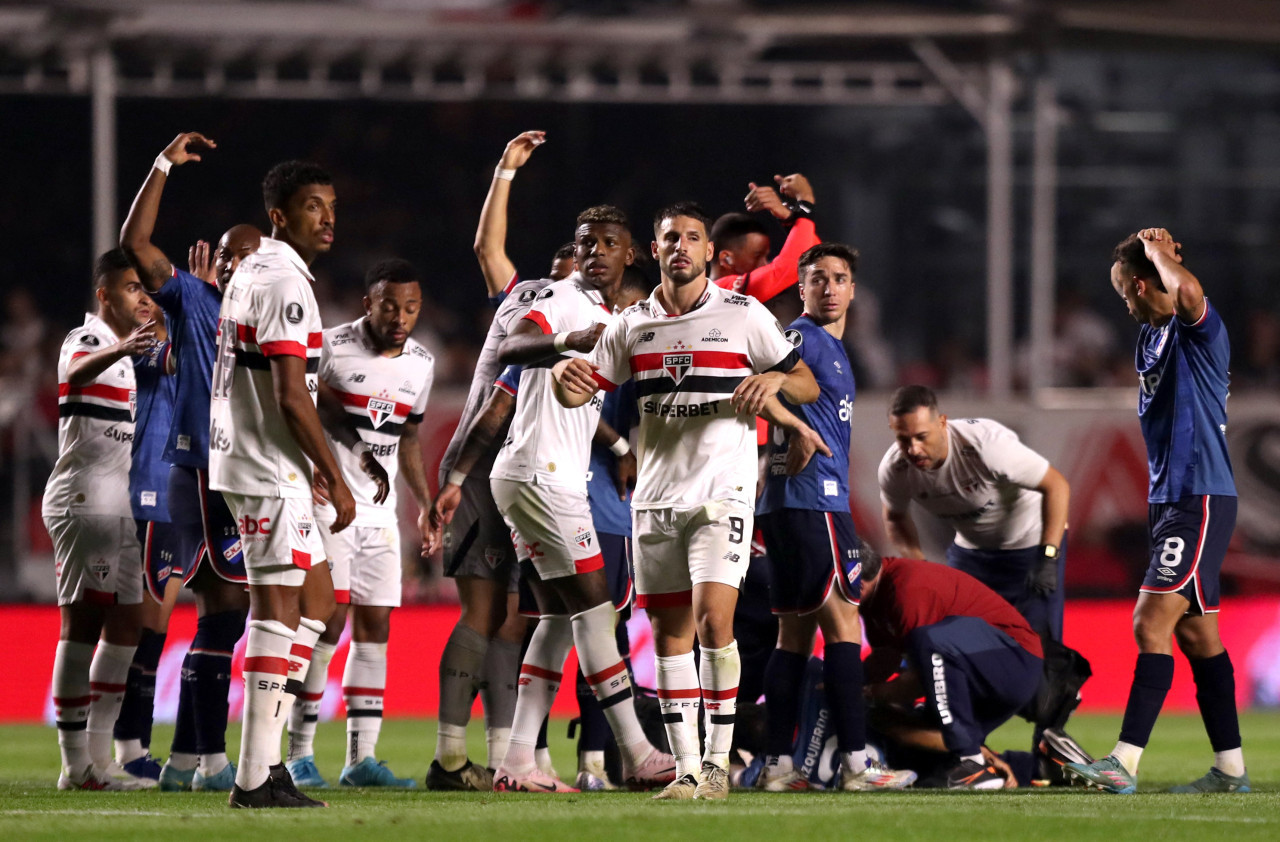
x,y
940,688
492,555
148,498
731,557
250,527
304,527
854,573
830,488
232,551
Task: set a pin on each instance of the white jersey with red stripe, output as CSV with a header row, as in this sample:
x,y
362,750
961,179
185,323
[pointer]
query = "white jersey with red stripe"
x,y
95,431
268,310
693,448
381,394
547,443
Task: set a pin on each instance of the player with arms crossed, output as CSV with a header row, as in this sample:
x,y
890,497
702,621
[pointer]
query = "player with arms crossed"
x,y
1182,359
264,436
813,547
706,361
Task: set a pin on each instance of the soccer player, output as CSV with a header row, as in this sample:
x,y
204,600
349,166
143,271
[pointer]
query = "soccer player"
x,y
265,435
706,361
539,482
86,510
382,379
741,261
972,657
1182,358
812,544
206,534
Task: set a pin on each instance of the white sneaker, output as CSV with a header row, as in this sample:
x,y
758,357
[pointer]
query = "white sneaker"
x,y
657,769
89,779
875,777
592,777
128,780
781,776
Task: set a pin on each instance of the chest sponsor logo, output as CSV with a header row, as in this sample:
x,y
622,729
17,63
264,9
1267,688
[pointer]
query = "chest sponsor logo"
x,y
714,336
677,365
380,410
406,388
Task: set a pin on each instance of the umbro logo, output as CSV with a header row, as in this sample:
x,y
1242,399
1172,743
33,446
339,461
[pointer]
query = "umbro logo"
x,y
647,336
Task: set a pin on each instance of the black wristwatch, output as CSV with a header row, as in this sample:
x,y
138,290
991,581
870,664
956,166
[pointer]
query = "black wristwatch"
x,y
800,209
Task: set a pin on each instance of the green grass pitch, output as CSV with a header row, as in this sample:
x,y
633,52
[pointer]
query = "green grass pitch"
x,y
30,807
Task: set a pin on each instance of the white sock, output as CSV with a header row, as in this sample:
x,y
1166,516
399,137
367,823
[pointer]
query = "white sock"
x,y
266,669
212,764
678,694
540,677
720,672
496,741
590,760
542,759
184,762
127,750
976,758
305,715
606,673
108,675
364,682
71,698
1230,762
1128,755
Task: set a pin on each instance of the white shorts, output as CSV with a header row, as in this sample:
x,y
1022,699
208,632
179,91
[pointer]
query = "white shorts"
x,y
552,525
365,561
280,537
98,559
675,549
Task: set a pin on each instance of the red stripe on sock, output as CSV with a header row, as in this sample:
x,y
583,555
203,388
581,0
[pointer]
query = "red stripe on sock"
x,y
364,691
539,672
300,651
267,664
679,693
310,697
731,693
75,702
605,674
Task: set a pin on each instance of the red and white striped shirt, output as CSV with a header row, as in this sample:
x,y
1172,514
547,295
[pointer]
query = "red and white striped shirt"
x,y
95,431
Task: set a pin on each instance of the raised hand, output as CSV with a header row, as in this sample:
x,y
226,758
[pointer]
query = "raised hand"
x,y
1158,241
187,147
520,148
765,198
140,341
200,261
795,186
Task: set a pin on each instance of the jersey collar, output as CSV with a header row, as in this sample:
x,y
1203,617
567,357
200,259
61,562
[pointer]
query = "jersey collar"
x,y
270,245
657,309
95,323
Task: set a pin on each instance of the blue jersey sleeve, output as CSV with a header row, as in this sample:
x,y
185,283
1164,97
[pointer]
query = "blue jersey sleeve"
x,y
173,294
509,380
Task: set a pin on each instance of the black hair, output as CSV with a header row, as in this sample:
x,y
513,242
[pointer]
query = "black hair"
x,y
566,251
839,250
910,398
693,210
732,228
287,178
603,215
635,279
1131,255
108,264
870,561
393,270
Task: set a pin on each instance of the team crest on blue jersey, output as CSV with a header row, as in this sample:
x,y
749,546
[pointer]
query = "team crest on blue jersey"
x,y
380,410
583,538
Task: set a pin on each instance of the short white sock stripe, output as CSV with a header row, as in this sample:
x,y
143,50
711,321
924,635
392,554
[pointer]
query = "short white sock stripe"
x,y
606,673
548,648
679,701
266,660
720,672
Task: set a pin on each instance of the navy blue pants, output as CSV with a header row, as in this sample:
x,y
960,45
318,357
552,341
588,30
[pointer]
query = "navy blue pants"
x,y
1006,571
975,678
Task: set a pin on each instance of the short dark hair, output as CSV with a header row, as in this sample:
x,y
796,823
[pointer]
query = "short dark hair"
x,y
732,228
811,256
603,215
910,398
870,561
108,264
693,210
393,270
287,178
635,279
1131,254
566,251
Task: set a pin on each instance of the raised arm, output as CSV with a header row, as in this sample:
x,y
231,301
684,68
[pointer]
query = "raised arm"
x,y
135,237
1182,286
84,368
782,273
491,235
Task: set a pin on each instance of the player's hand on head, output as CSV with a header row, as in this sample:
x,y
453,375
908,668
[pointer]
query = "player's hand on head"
x,y
624,474
753,392
802,443
200,261
584,340
140,340
764,198
1158,241
795,186
520,148
319,488
343,503
373,470
446,504
576,375
187,147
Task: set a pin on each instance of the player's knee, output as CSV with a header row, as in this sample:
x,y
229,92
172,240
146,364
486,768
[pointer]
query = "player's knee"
x,y
371,625
1151,632
715,627
1197,642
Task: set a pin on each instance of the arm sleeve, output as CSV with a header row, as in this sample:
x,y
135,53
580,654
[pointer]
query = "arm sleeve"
x,y
420,405
1009,459
285,310
1204,330
496,300
548,311
782,272
610,357
767,344
509,380
170,295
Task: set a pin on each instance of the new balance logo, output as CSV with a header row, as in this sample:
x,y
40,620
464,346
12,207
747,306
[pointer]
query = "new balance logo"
x,y
356,378
647,336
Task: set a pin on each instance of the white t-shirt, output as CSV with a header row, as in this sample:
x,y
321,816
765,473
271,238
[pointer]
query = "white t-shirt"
x,y
95,431
547,443
381,395
268,310
984,489
693,447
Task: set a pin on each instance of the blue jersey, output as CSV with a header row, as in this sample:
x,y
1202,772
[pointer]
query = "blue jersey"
x,y
148,472
824,483
1182,405
192,306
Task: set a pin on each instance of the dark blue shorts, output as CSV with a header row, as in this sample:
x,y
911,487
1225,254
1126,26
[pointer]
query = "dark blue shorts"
x,y
1189,541
208,531
162,555
1005,572
810,552
616,550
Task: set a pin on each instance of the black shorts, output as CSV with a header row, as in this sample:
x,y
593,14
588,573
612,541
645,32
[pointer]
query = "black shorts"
x,y
162,555
1189,540
616,550
810,552
208,531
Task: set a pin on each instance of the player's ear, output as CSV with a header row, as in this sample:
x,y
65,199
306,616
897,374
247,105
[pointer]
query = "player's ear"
x,y
653,249
711,251
631,255
368,306
277,217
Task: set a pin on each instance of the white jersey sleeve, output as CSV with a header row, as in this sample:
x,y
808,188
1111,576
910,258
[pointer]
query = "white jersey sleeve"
x,y
285,309
428,380
611,356
895,494
1007,457
767,344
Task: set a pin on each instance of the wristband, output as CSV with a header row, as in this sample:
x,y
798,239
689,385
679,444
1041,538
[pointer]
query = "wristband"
x,y
360,448
162,163
561,342
505,175
620,447
456,478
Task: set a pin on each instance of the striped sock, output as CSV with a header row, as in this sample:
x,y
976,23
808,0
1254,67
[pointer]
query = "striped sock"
x,y
71,699
266,668
306,708
720,672
540,677
363,684
108,677
607,674
678,700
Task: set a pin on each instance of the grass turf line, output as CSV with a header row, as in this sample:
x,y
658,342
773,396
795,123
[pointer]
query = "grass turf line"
x,y
30,807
